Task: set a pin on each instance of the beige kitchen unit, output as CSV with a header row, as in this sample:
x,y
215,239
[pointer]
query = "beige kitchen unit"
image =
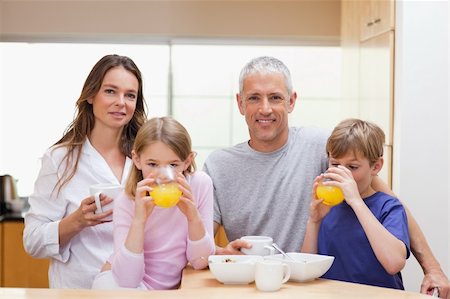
x,y
17,268
376,17
376,81
368,45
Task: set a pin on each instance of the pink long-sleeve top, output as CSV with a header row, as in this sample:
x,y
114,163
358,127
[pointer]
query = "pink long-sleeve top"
x,y
167,248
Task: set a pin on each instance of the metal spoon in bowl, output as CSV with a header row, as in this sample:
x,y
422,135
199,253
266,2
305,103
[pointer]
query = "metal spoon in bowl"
x,y
282,252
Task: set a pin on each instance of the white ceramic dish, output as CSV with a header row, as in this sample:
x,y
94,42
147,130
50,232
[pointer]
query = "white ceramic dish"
x,y
306,266
233,269
17,205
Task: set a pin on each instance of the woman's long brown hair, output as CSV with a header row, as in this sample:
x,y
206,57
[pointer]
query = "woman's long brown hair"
x,y
83,123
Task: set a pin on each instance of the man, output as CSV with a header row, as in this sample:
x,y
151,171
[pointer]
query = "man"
x,y
263,186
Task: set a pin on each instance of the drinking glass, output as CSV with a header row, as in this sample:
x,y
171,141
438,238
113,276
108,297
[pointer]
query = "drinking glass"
x,y
331,195
165,191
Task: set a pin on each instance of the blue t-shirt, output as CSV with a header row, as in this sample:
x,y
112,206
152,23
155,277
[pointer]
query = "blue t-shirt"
x,y
342,236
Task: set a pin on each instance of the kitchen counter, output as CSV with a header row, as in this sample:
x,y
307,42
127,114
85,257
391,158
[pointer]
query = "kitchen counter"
x,y
201,284
12,216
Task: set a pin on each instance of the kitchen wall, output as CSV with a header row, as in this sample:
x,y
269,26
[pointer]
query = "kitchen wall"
x,y
307,21
421,160
293,22
421,155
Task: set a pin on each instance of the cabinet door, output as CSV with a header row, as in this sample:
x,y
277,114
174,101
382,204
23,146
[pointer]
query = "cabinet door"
x,y
386,172
377,17
366,21
376,82
20,269
1,254
350,40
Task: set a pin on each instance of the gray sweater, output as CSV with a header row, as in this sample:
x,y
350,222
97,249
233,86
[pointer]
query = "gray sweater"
x,y
268,193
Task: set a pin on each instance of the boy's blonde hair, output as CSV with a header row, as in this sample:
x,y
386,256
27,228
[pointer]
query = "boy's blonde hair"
x,y
168,131
360,137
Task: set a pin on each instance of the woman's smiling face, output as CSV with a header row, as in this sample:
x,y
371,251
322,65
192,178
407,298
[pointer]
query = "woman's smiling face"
x,y
115,102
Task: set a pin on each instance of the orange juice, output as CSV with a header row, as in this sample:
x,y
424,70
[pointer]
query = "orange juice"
x,y
166,195
331,195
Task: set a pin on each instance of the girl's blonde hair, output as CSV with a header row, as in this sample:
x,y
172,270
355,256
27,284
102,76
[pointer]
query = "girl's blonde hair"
x,y
360,137
170,132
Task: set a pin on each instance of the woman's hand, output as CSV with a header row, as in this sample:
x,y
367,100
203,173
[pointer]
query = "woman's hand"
x,y
81,218
85,214
143,202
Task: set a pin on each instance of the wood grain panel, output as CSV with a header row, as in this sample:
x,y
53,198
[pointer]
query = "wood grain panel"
x,y
20,269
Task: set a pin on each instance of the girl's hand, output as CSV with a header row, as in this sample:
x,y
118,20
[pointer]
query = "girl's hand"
x,y
317,210
342,177
186,204
144,204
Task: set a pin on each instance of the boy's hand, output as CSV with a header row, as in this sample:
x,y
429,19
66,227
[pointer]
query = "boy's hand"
x,y
317,210
342,177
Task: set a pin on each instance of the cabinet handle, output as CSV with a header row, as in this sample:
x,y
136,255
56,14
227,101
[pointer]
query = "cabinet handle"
x,y
377,21
369,24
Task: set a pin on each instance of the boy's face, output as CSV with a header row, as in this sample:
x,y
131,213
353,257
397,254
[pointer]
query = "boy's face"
x,y
360,167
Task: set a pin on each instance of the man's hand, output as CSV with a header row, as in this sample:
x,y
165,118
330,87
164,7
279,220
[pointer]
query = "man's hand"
x,y
233,247
433,279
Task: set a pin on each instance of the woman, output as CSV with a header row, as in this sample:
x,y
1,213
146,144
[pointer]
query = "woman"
x,y
96,148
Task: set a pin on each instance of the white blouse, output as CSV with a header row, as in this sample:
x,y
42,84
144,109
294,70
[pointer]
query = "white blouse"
x,y
75,264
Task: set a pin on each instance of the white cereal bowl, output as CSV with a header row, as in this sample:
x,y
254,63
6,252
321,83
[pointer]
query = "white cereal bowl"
x,y
306,266
233,269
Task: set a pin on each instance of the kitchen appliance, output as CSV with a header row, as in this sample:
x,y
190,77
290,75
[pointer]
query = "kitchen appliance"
x,y
8,192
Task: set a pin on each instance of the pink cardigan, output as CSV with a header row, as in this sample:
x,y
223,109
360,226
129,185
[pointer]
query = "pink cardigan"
x,y
167,248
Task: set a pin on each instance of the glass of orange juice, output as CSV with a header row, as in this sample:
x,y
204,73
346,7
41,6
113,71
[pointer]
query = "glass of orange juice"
x,y
165,192
331,195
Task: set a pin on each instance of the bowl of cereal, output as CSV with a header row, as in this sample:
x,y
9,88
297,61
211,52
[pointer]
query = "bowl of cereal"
x,y
305,266
233,269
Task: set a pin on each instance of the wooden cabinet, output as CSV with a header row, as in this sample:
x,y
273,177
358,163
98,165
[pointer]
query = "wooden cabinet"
x,y
1,254
221,237
367,41
376,17
18,269
376,90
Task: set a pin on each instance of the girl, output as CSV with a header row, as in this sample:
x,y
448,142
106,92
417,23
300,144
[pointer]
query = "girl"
x,y
96,148
153,244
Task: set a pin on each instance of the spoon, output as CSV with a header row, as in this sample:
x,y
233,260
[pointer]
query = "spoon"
x,y
282,252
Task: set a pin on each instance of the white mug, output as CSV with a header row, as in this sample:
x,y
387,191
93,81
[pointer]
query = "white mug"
x,y
108,189
261,245
271,274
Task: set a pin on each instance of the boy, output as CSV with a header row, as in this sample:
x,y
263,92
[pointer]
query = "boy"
x,y
368,232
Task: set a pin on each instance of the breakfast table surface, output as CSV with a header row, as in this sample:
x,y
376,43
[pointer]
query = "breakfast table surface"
x,y
201,284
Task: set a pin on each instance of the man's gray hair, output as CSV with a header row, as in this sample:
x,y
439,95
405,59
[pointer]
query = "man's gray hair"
x,y
266,65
